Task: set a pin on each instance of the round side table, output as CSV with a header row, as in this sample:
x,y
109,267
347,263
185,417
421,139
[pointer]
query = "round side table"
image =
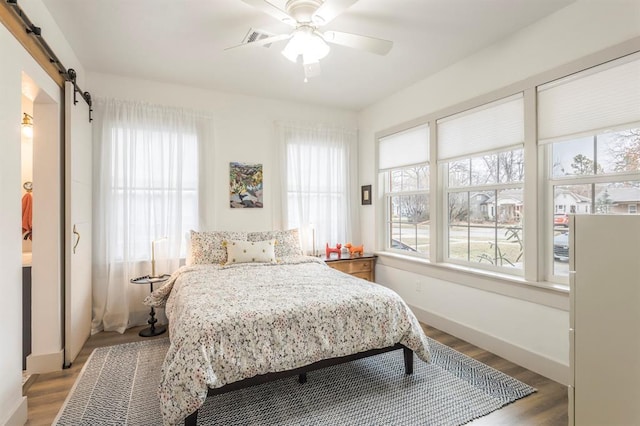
x,y
152,330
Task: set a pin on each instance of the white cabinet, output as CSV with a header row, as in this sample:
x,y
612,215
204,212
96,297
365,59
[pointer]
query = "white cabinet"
x,y
604,320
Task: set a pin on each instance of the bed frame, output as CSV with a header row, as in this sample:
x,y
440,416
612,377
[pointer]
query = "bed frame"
x,y
301,372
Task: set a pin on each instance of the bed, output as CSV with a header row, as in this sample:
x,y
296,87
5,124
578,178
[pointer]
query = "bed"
x,y
233,320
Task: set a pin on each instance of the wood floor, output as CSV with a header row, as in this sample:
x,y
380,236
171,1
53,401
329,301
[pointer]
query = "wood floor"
x,y
546,407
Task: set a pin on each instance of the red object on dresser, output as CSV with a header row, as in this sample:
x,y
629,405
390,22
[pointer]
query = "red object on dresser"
x,y
330,250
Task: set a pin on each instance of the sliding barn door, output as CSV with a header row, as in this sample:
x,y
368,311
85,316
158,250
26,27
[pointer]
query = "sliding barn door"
x,y
77,224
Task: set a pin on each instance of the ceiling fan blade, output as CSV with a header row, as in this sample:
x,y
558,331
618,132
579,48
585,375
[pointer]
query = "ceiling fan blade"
x,y
370,44
330,9
262,42
270,9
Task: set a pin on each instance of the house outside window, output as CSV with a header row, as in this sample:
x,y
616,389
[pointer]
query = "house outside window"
x,y
404,168
483,159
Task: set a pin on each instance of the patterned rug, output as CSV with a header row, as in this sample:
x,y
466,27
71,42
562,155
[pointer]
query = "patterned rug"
x,y
118,384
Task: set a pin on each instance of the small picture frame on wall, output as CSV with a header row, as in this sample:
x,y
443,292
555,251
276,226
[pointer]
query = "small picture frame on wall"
x,y
366,195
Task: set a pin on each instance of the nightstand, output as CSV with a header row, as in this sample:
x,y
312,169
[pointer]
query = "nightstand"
x,y
358,266
152,330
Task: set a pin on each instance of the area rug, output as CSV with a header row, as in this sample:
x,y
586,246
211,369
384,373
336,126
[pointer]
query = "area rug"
x,y
118,386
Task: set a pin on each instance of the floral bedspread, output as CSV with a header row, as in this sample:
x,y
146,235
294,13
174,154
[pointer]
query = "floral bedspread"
x,y
229,323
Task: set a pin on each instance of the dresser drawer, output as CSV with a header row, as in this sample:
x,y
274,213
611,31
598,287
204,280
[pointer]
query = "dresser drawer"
x,y
364,275
352,266
361,267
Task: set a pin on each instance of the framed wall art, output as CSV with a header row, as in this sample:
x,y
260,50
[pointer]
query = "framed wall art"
x,y
245,186
366,195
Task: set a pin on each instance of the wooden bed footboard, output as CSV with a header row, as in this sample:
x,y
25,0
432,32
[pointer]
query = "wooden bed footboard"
x,y
301,372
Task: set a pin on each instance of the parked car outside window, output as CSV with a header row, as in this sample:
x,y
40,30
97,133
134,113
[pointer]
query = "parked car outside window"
x,y
561,247
561,219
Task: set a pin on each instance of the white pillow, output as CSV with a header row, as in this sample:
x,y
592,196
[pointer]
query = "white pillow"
x,y
207,246
250,251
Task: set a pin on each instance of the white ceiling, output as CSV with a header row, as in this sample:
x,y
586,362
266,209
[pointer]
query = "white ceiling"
x,y
183,42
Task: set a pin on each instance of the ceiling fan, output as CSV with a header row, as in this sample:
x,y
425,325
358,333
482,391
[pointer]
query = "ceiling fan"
x,y
306,41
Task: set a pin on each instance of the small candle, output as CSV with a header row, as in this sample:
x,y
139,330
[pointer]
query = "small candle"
x,y
153,258
313,239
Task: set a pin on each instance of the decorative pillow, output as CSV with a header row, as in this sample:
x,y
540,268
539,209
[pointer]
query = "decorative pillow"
x,y
206,247
287,242
250,251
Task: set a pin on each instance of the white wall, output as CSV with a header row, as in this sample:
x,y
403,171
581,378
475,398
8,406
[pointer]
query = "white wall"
x,y
16,61
46,271
531,333
12,405
244,131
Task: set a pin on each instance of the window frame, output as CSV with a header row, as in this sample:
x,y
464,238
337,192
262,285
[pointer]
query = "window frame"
x,y
593,179
496,188
121,144
331,195
382,216
537,197
388,194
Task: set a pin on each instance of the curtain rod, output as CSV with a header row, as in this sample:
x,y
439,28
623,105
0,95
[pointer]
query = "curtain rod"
x,y
68,75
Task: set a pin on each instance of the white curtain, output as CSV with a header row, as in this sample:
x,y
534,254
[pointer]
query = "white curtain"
x,y
319,179
147,187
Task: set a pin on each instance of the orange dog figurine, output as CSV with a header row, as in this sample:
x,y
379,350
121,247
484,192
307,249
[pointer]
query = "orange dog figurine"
x,y
353,250
330,250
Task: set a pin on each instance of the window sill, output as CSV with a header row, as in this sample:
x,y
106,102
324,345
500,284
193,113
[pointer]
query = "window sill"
x,y
546,293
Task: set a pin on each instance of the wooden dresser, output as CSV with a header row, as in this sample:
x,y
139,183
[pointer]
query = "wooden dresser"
x,y
358,266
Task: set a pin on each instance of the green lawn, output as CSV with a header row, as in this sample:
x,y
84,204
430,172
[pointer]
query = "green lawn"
x,y
509,250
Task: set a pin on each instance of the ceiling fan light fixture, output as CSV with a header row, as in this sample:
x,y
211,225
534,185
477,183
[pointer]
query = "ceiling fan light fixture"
x,y
290,53
296,45
316,48
307,43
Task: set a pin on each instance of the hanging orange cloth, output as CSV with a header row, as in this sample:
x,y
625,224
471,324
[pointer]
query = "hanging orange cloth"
x,y
27,215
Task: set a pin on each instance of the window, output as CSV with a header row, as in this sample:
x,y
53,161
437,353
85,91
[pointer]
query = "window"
x,y
154,186
404,168
463,200
596,174
484,187
147,187
589,124
485,209
319,184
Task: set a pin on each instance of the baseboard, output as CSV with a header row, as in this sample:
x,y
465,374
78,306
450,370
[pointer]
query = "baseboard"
x,y
45,363
17,417
549,368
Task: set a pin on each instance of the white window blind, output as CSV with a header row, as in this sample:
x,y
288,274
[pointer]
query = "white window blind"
x,y
404,148
496,125
602,98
